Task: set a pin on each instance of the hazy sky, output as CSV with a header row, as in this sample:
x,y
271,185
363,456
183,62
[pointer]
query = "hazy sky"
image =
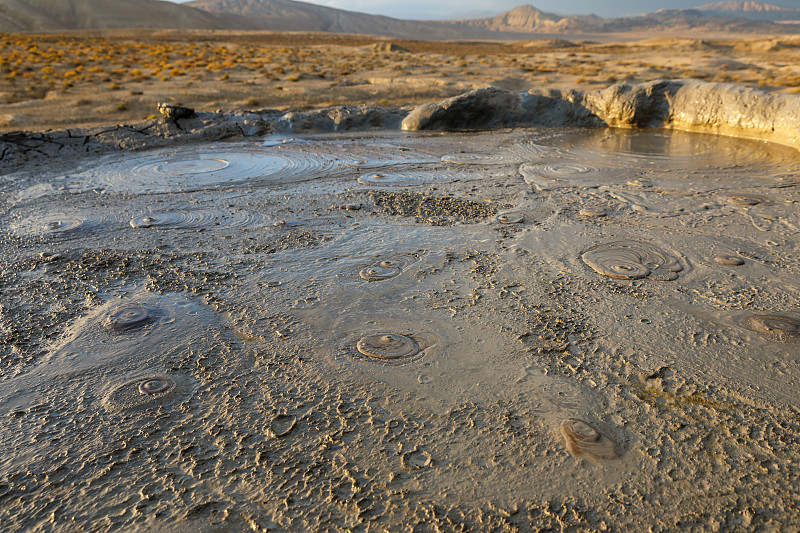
x,y
422,9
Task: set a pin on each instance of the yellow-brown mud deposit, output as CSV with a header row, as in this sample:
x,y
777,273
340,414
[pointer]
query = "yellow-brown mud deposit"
x,y
525,329
88,78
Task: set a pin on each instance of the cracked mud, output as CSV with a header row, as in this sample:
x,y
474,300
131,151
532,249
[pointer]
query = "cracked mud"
x,y
198,338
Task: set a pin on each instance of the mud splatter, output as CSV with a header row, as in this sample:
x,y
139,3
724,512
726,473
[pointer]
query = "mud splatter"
x,y
583,440
632,260
776,327
282,425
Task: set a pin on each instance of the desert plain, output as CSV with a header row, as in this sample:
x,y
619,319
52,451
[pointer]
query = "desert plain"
x,y
88,78
228,322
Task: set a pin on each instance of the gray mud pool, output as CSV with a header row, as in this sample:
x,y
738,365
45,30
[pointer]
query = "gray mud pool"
x,y
544,329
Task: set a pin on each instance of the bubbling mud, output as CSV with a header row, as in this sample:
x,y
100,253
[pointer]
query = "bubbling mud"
x,y
381,271
774,327
195,220
530,150
570,174
128,319
477,158
142,393
387,268
394,348
583,440
210,167
511,218
388,346
59,225
405,179
632,260
156,385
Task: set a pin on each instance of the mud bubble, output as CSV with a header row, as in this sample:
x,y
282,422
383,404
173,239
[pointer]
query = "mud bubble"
x,y
595,211
583,440
511,218
394,348
59,225
387,267
404,179
143,393
381,271
775,327
729,260
632,260
130,318
745,199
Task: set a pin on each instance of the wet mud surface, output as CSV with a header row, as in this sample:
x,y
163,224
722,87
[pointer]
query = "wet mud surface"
x,y
558,329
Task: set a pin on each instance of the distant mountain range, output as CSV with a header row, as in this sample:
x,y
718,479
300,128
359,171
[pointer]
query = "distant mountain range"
x,y
528,19
750,10
288,15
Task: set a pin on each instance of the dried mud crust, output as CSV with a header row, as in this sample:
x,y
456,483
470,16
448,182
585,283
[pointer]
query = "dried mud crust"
x,y
347,461
67,286
266,429
428,208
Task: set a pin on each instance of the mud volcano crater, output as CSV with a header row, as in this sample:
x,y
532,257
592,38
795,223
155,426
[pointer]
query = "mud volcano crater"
x,y
396,364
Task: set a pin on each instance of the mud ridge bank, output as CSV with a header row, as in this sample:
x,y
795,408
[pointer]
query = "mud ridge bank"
x,y
689,105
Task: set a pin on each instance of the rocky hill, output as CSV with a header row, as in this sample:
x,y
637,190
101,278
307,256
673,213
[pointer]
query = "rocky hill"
x,y
43,15
528,19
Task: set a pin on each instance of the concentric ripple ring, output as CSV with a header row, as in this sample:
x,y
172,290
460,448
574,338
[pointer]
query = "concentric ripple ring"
x,y
156,385
390,346
632,260
475,158
386,179
129,319
775,327
143,393
379,273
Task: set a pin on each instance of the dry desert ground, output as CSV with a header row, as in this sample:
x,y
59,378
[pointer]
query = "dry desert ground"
x,y
90,78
